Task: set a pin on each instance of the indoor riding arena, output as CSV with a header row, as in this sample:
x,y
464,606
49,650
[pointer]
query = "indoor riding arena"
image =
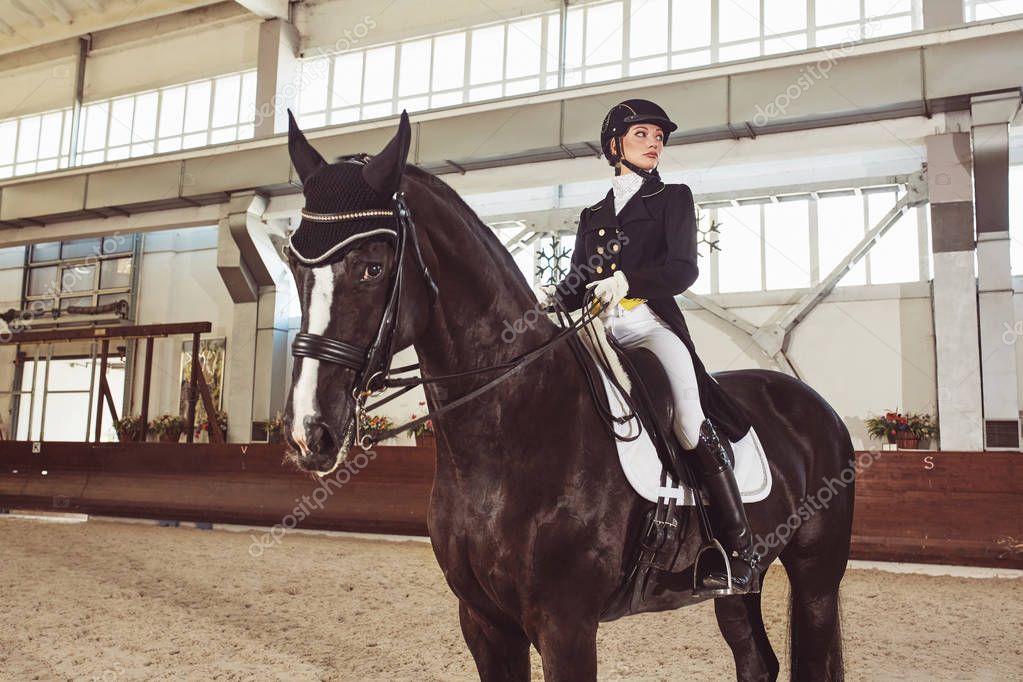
x,y
486,340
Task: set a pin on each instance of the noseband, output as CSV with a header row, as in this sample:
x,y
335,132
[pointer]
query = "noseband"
x,y
370,364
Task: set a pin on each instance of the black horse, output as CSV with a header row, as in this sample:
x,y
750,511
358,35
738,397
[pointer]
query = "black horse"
x,y
531,518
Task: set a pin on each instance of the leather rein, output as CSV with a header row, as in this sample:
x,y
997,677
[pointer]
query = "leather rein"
x,y
372,365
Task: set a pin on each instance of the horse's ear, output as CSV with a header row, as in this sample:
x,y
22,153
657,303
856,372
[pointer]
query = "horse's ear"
x,y
383,172
305,158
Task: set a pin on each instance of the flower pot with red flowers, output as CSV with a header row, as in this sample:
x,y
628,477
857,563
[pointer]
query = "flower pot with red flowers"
x,y
906,431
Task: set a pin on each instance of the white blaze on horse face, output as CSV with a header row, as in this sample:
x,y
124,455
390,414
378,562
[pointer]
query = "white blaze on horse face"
x,y
303,401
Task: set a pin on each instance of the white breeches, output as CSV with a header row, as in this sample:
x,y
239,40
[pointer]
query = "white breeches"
x,y
641,327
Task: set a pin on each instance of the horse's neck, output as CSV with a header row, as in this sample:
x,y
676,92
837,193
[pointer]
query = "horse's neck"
x,y
483,317
475,326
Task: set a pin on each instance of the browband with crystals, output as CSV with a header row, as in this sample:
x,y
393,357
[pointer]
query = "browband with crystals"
x,y
338,218
350,215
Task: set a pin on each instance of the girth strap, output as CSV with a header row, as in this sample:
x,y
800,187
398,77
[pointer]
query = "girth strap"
x,y
320,347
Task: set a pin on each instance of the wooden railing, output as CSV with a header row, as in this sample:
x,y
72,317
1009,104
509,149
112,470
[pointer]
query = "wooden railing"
x,y
227,483
938,507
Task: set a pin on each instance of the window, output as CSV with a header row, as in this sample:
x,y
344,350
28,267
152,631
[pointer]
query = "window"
x,y
603,41
896,256
35,144
83,272
840,223
986,10
787,244
177,117
484,62
57,399
739,258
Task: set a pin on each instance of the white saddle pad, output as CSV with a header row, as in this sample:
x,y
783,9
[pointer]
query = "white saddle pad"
x,y
643,468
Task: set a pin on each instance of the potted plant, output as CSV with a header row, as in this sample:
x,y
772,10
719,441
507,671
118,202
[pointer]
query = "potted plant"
x,y
275,428
129,428
894,426
168,427
203,427
425,437
924,427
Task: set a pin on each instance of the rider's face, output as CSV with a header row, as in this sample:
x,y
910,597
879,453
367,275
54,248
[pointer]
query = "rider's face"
x,y
643,144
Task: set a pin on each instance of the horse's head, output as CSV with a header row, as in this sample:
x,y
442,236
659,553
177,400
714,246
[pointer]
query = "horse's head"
x,y
354,256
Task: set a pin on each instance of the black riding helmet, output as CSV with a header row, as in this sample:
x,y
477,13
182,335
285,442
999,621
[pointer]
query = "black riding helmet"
x,y
617,122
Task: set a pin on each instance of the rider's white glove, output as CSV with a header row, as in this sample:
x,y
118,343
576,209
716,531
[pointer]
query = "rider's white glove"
x,y
545,294
611,289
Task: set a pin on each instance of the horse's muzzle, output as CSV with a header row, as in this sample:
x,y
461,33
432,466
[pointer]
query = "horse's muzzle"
x,y
319,451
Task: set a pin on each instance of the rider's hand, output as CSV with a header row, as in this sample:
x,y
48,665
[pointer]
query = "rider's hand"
x,y
610,290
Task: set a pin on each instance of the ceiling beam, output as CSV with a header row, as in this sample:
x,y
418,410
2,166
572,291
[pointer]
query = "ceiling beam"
x,y
268,9
58,10
29,14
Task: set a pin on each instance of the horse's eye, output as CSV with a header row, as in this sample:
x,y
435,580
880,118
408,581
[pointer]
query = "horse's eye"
x,y
372,271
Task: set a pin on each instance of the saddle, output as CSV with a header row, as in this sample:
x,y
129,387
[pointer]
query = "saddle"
x,y
663,529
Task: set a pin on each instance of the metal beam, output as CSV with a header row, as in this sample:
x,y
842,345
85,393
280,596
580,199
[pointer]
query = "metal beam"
x,y
113,332
84,45
268,9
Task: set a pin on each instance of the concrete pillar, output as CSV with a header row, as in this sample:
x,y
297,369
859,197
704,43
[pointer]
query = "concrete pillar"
x,y
950,188
277,76
942,13
257,355
272,347
991,116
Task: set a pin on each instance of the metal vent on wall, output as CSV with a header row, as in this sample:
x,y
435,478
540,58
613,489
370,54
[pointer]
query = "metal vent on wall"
x,y
1001,433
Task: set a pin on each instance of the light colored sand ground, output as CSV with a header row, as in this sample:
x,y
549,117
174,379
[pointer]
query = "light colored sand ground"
x,y
115,601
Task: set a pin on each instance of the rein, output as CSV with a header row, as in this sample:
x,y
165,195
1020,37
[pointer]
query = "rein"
x,y
372,365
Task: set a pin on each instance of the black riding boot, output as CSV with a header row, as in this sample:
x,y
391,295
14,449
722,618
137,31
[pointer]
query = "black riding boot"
x,y
727,515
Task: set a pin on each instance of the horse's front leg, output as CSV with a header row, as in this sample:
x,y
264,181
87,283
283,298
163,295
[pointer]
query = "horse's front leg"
x,y
568,649
501,650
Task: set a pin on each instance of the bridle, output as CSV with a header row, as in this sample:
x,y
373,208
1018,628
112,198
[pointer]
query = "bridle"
x,y
372,364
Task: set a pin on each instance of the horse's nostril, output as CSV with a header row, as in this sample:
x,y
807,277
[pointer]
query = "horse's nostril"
x,y
319,438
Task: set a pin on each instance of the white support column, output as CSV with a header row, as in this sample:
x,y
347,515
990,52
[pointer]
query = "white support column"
x,y
277,76
950,188
990,130
942,14
257,355
270,383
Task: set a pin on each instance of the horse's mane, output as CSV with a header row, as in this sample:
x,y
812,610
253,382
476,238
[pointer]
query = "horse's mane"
x,y
481,233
